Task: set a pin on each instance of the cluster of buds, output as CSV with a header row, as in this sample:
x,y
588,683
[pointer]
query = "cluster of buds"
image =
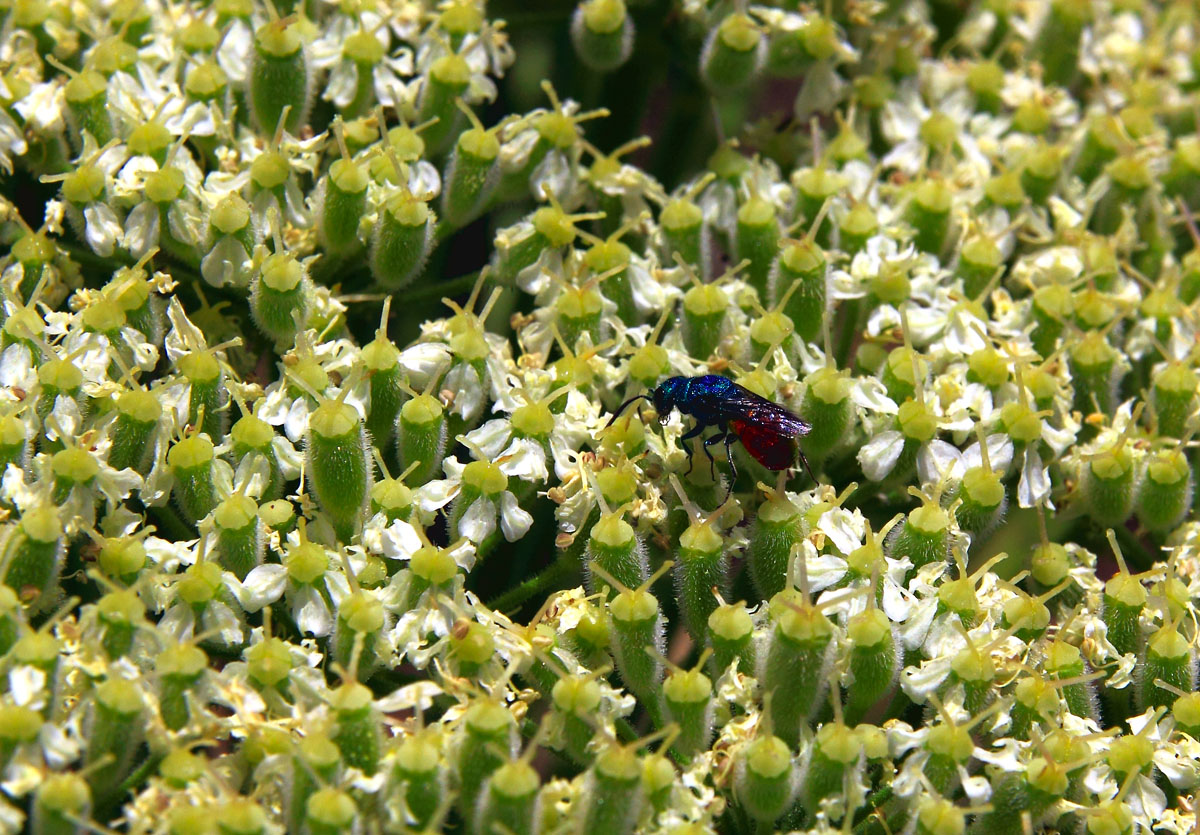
x,y
300,533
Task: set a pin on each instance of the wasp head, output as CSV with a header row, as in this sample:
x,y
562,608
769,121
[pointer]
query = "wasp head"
x,y
667,396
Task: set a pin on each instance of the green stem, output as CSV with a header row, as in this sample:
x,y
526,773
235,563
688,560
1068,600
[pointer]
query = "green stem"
x,y
551,575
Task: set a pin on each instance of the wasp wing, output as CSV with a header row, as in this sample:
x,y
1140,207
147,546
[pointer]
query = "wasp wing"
x,y
739,403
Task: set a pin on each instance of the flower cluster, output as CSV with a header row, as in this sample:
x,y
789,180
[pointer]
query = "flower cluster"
x,y
299,532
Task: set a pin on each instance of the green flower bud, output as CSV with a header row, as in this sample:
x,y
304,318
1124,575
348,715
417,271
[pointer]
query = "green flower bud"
x,y
114,733
1101,143
33,557
510,802
731,634
445,81
209,397
733,54
925,535
421,437
402,240
576,698
472,172
797,663
978,261
614,547
602,33
278,79
704,310
874,660
1173,396
856,227
777,528
122,558
59,801
241,816
613,798
765,778
120,613
1110,485
19,725
280,294
57,378
421,778
191,463
835,749
1041,171
1169,659
358,733
1186,710
488,733
982,497
899,370
138,412
268,664
637,623
685,232
701,564
360,619
180,667
240,536
1166,492
798,280
330,811
278,515
87,103
756,239
929,213
1052,305
1064,661
339,465
687,695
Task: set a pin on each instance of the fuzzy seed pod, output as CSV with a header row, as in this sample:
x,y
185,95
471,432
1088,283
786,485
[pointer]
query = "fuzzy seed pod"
x,y
420,776
360,618
280,296
278,81
637,623
240,539
925,535
756,239
835,749
191,463
138,412
113,735
874,661
472,172
613,797
798,279
1166,491
1169,659
733,54
330,811
777,527
120,613
614,547
339,464
180,668
445,81
488,734
765,778
602,33
796,663
688,697
510,802
60,801
33,558
357,732
421,432
252,435
704,310
731,635
402,240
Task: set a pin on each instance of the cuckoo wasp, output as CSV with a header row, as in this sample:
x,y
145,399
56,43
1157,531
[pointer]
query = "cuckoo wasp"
x,y
767,430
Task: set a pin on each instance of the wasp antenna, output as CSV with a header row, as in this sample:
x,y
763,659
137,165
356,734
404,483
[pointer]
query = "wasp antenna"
x,y
625,406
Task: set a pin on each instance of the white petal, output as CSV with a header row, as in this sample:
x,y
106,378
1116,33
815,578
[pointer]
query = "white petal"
x,y
264,584
514,521
102,229
491,437
312,615
879,455
478,520
938,460
1034,484
400,540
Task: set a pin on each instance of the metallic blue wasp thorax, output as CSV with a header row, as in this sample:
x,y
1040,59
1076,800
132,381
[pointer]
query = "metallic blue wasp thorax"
x,y
710,384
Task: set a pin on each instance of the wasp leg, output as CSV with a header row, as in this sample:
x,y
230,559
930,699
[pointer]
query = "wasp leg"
x,y
729,439
694,432
804,461
712,462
